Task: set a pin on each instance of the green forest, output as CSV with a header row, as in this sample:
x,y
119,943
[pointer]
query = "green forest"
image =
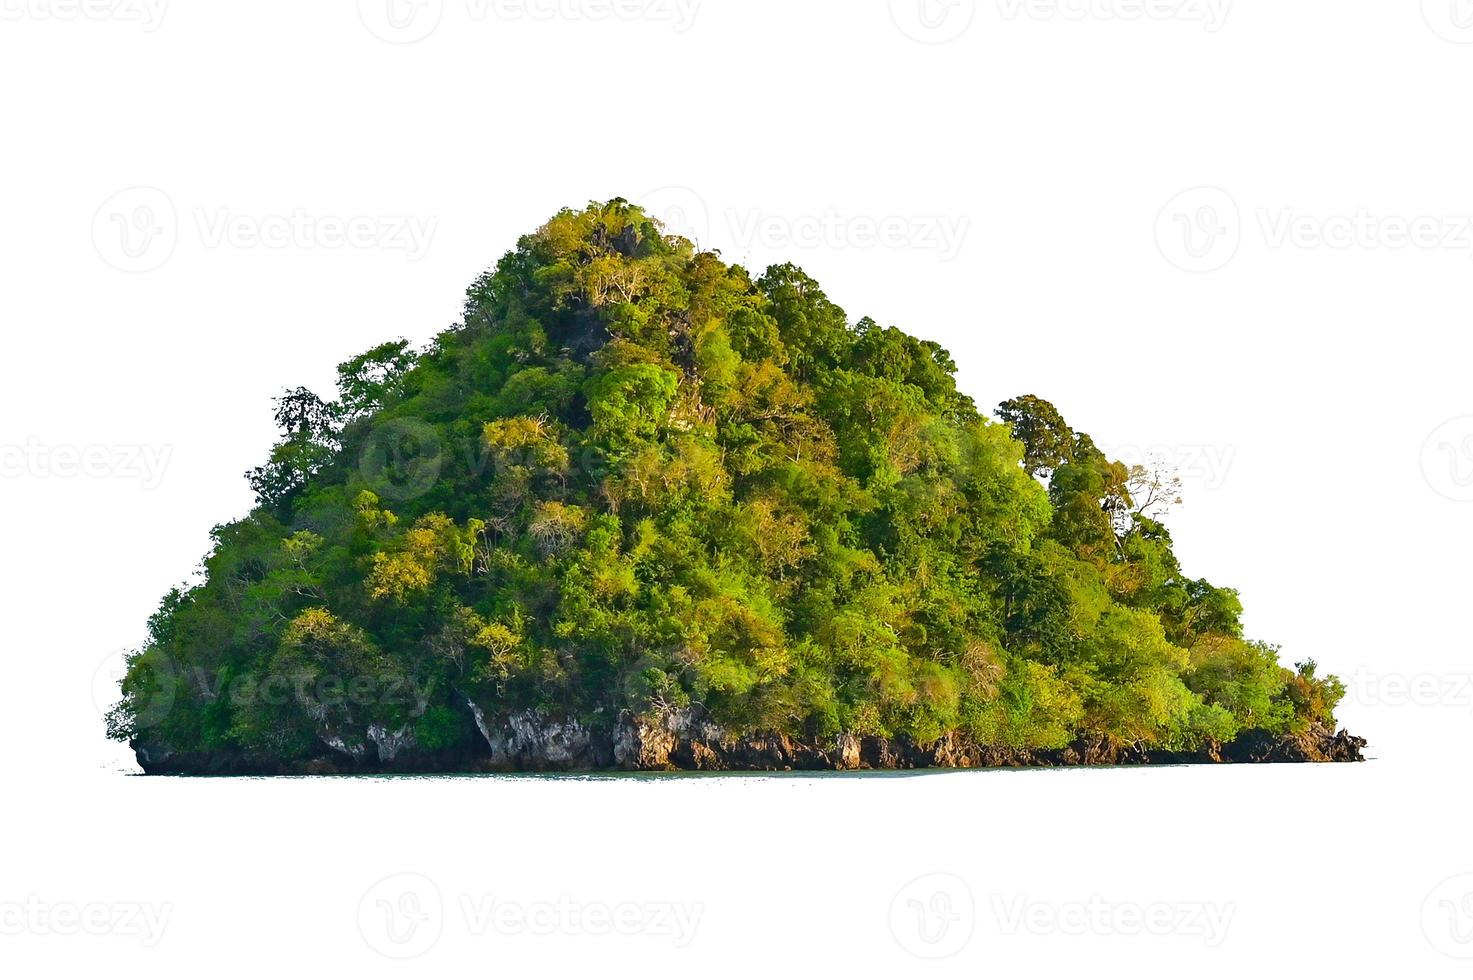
x,y
636,480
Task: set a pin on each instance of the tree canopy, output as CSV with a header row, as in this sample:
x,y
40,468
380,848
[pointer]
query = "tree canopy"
x,y
635,479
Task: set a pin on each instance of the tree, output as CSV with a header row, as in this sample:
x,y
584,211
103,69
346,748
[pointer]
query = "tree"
x,y
1047,439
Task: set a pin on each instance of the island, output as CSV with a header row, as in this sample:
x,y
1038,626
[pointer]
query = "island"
x,y
641,510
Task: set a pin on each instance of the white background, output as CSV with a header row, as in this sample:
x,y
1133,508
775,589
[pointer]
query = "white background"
x,y
1234,234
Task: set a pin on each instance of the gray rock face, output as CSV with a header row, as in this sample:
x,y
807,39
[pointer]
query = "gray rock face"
x,y
533,741
536,741
336,742
846,752
644,742
390,744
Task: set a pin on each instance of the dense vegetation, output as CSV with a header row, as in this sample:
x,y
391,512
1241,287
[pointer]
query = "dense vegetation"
x,y
637,479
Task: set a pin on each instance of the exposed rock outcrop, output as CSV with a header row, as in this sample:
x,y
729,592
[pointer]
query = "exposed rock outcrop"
x,y
531,741
534,741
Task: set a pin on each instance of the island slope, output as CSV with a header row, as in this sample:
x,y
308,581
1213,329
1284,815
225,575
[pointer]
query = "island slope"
x,y
641,510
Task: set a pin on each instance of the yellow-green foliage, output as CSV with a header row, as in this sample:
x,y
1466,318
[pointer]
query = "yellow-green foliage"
x,y
637,478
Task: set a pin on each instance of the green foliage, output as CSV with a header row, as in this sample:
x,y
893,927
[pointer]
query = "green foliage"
x,y
633,478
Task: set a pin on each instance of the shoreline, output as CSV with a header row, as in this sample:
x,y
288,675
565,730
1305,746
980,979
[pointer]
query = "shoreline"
x,y
535,746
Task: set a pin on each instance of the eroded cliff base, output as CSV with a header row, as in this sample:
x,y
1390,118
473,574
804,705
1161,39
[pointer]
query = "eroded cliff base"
x,y
533,743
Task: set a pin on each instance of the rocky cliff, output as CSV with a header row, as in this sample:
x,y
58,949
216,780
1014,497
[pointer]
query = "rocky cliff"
x,y
685,740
